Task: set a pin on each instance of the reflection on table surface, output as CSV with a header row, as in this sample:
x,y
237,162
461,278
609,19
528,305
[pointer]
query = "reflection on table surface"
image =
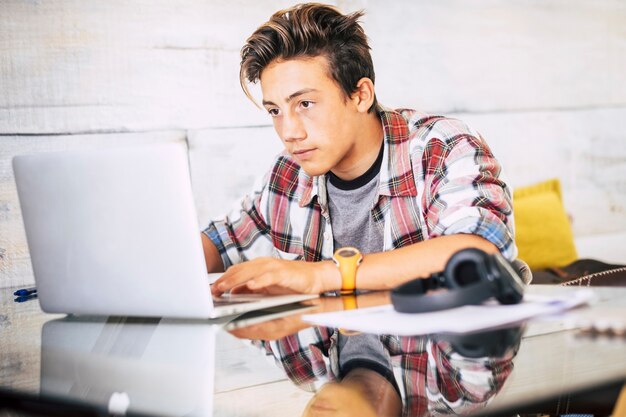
x,y
137,365
199,368
370,375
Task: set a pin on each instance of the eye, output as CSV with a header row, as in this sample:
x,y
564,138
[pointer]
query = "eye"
x,y
306,104
273,112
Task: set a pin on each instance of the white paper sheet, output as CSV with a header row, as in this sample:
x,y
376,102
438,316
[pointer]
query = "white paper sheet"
x,y
385,320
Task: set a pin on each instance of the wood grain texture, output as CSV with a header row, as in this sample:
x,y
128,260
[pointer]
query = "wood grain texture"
x,y
239,364
72,66
225,163
460,56
15,267
276,399
20,358
608,247
76,66
585,149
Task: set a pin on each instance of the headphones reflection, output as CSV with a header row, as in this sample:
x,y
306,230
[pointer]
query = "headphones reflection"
x,y
492,343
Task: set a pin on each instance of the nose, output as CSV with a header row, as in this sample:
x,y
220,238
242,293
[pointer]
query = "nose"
x,y
292,128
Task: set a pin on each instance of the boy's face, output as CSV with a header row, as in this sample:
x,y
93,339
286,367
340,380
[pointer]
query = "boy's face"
x,y
317,123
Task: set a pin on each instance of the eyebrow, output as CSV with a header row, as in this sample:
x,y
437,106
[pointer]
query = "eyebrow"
x,y
292,96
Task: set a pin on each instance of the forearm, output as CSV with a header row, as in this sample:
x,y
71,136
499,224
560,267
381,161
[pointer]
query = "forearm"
x,y
386,270
378,271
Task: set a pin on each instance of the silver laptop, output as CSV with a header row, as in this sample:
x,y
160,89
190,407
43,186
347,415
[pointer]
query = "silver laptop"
x,y
114,232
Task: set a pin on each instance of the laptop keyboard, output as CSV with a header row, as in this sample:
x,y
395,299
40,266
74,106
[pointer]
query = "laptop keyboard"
x,y
218,302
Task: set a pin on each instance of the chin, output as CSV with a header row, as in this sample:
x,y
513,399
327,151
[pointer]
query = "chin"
x,y
313,171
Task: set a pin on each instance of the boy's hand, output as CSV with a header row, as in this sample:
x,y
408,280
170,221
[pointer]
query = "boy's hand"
x,y
279,276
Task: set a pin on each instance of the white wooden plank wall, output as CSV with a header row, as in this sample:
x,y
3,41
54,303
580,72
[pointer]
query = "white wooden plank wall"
x,y
72,65
492,56
218,192
527,73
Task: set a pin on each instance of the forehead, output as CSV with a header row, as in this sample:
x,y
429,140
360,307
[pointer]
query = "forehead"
x,y
284,77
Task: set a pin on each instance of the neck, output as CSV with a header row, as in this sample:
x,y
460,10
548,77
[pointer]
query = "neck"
x,y
365,150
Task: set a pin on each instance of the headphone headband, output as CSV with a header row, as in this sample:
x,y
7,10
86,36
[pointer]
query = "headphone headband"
x,y
406,301
470,277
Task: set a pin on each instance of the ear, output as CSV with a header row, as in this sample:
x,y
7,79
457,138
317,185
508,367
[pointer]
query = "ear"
x,y
364,95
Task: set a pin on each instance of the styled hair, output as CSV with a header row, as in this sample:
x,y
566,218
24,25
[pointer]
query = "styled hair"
x,y
310,30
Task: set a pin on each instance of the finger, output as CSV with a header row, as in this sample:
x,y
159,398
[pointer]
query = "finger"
x,y
235,276
214,291
221,285
219,288
241,289
270,283
248,273
263,280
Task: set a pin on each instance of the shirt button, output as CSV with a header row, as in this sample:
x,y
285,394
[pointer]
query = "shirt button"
x,y
326,235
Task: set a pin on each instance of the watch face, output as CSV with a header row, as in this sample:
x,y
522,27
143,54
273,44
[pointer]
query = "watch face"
x,y
347,252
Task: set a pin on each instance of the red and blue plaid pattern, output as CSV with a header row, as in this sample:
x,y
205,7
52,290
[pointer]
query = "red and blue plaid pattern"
x,y
438,177
432,377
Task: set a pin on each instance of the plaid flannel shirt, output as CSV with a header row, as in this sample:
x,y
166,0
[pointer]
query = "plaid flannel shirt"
x,y
432,377
438,177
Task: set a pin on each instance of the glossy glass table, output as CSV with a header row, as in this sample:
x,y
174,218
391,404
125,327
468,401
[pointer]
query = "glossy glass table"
x,y
273,364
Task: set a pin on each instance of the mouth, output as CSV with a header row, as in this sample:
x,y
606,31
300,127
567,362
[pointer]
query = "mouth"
x,y
303,154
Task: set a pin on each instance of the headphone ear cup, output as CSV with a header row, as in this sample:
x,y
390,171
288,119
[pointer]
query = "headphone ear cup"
x,y
510,289
508,292
510,297
465,267
494,343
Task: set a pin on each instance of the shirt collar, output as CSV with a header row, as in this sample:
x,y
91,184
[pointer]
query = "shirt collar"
x,y
396,174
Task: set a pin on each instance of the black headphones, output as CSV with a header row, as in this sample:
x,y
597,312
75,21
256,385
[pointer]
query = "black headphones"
x,y
471,276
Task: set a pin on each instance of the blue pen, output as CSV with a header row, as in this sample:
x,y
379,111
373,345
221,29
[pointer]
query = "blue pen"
x,y
23,298
25,291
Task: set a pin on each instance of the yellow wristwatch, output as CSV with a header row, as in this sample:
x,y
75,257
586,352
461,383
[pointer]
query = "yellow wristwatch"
x,y
348,260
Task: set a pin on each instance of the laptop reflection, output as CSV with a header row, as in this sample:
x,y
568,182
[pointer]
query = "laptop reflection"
x,y
130,365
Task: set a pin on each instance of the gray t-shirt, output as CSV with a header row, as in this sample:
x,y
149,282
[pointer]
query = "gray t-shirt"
x,y
350,205
351,218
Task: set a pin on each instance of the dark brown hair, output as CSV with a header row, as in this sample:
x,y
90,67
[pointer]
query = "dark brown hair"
x,y
310,30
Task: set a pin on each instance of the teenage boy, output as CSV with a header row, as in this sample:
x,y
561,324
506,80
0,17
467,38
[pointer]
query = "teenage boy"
x,y
402,189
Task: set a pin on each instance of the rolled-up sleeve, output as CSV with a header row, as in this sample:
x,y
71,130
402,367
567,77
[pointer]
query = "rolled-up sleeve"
x,y
464,191
243,234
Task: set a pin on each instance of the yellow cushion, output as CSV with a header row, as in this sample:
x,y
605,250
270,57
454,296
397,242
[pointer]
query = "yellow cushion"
x,y
542,229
